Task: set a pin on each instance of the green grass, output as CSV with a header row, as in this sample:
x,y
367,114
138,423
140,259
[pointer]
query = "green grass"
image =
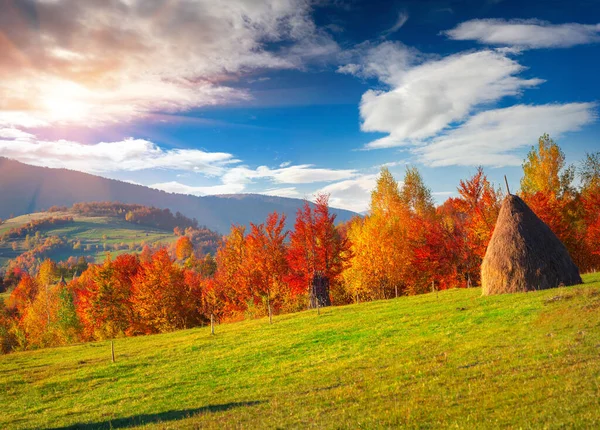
x,y
93,231
456,359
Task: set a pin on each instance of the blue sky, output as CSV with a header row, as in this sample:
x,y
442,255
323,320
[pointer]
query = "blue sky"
x,y
294,97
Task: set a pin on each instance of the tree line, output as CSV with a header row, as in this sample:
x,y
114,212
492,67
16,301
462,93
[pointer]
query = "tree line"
x,y
405,245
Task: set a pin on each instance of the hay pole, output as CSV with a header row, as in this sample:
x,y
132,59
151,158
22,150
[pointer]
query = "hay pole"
x,y
507,187
112,350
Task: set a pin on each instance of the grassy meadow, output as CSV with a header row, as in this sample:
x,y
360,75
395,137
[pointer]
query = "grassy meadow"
x,y
93,233
452,359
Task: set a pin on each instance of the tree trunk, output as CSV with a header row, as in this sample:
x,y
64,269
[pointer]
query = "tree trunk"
x,y
269,308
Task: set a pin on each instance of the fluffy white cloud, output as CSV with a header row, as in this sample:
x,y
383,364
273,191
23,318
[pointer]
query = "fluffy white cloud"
x,y
96,62
493,137
352,194
443,108
525,33
127,155
387,61
298,174
427,98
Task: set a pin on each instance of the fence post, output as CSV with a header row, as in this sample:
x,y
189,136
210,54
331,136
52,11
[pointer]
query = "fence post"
x,y
112,350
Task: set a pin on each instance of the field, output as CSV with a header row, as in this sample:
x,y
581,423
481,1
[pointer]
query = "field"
x,y
453,359
96,234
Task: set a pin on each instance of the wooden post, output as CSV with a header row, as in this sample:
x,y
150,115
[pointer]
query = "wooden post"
x,y
396,288
212,324
112,350
506,182
318,307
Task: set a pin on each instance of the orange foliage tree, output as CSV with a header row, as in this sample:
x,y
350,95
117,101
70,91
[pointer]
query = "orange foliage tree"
x,y
161,298
103,294
266,264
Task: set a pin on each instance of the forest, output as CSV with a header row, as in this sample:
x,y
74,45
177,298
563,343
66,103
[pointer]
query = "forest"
x,y
406,245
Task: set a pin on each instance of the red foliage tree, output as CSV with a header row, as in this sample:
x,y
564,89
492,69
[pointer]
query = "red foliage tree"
x,y
315,246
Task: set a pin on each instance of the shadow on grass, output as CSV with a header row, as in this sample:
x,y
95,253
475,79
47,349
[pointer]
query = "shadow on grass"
x,y
144,419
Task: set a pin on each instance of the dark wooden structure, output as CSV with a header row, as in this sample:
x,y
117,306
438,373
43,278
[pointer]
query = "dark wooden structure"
x,y
319,292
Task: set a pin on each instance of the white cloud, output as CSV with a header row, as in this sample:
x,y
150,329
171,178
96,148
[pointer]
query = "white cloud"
x,y
352,194
100,62
427,98
291,192
387,61
443,108
299,174
13,133
126,155
495,137
179,188
402,18
525,33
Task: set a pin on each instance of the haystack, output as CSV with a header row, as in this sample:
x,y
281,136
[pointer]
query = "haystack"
x,y
524,254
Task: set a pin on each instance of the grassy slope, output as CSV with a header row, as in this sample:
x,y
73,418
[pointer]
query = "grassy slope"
x,y
89,230
457,359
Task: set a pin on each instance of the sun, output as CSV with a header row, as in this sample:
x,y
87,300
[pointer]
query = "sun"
x,y
66,102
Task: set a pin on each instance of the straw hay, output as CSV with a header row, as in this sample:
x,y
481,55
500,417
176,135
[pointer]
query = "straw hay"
x,y
524,254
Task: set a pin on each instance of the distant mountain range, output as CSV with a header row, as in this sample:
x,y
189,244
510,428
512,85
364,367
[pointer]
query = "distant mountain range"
x,y
26,189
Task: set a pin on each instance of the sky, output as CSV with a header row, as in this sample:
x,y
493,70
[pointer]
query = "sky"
x,y
296,97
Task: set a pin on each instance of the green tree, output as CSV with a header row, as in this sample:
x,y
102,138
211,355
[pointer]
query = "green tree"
x,y
415,194
589,171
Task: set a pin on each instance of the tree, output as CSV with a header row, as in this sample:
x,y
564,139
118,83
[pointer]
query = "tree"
x,y
266,260
385,198
102,297
544,170
24,294
589,171
316,246
380,249
415,195
231,278
479,205
184,248
546,188
589,201
161,298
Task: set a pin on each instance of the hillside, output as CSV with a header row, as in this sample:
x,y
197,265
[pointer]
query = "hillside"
x,y
27,189
456,359
90,236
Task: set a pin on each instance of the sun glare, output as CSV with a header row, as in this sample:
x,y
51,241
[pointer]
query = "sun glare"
x,y
66,102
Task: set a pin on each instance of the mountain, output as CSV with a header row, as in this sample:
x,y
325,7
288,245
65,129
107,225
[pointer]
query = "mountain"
x,y
27,189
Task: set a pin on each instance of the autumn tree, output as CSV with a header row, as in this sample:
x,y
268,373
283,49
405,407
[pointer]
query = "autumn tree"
x,y
22,297
381,252
103,297
415,195
266,261
589,172
183,248
544,170
316,246
478,205
547,188
231,277
161,298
